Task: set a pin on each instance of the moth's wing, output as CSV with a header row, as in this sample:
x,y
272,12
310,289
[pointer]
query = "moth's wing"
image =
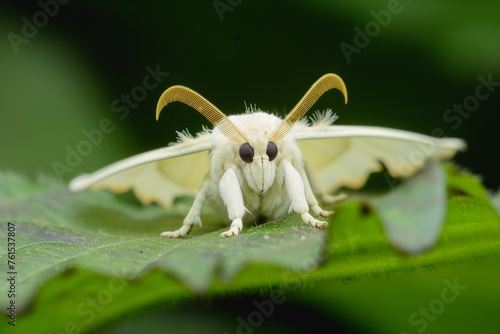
x,y
155,176
344,156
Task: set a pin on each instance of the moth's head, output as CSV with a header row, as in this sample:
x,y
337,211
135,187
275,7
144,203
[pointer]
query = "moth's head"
x,y
259,162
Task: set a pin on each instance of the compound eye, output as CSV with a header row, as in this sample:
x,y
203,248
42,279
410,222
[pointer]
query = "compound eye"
x,y
272,150
246,152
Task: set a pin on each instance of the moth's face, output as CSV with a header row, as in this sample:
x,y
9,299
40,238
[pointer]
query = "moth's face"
x,y
259,169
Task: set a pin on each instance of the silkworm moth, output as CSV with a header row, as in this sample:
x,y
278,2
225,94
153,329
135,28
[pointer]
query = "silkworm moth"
x,y
256,166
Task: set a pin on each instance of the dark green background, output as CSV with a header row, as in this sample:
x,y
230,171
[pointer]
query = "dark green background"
x,y
429,57
65,79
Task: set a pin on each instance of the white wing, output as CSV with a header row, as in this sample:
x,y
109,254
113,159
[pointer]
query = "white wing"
x,y
339,156
159,175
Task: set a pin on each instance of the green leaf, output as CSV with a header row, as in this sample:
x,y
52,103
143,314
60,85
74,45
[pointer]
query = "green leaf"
x,y
414,214
57,230
85,259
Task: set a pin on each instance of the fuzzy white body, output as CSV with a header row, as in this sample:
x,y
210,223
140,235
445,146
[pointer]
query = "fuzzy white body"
x,y
261,190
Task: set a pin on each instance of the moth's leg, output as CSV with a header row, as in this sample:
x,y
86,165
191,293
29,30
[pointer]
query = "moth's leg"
x,y
325,198
230,192
193,216
311,199
296,191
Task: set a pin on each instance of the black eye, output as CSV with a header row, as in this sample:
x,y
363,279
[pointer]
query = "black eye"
x,y
246,152
272,150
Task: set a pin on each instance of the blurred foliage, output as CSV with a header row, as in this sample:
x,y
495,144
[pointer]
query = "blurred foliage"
x,y
67,77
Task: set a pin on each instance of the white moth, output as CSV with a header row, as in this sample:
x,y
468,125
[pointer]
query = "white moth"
x,y
257,166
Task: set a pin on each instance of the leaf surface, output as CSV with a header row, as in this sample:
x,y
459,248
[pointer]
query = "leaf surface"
x,y
93,256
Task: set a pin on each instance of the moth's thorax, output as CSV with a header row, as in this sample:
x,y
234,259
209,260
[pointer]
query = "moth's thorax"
x,y
256,124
